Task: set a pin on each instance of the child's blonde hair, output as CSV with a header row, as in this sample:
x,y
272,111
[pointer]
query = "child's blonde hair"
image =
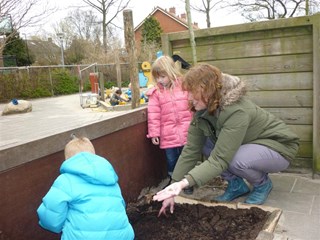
x,y
165,65
77,145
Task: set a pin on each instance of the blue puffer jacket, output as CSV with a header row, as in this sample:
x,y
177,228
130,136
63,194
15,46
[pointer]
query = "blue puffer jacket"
x,y
85,201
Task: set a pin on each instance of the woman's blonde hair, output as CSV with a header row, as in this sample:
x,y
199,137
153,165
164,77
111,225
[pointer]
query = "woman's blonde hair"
x,y
206,80
165,65
77,145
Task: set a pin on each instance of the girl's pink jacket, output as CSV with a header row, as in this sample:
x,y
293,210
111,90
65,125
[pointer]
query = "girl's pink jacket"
x,y
168,115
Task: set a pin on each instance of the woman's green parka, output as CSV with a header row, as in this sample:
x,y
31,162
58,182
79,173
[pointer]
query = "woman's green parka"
x,y
239,121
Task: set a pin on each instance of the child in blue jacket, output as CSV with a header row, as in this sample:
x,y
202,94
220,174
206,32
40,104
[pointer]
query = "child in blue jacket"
x,y
85,201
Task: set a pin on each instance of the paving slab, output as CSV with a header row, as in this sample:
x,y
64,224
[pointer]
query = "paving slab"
x,y
49,116
298,197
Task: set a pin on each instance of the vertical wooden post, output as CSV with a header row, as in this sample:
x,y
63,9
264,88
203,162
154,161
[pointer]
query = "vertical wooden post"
x,y
166,44
101,85
51,84
118,68
192,41
316,93
130,46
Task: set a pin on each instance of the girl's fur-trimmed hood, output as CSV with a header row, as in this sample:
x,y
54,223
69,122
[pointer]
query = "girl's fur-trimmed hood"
x,y
233,88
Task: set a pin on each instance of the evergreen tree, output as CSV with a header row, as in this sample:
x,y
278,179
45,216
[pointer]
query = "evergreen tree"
x,y
16,51
151,31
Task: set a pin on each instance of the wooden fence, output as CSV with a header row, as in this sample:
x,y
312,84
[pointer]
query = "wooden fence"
x,y
279,59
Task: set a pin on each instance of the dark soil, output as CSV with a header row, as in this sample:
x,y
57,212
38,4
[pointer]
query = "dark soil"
x,y
196,222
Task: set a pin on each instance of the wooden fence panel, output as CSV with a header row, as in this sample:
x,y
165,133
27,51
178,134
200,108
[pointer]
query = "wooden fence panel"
x,y
267,64
284,81
252,48
298,116
279,60
281,99
303,131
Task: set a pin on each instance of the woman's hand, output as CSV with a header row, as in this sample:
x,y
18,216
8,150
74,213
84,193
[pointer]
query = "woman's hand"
x,y
167,203
155,140
167,195
172,190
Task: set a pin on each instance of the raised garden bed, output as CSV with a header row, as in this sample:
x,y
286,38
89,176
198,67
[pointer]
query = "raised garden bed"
x,y
194,219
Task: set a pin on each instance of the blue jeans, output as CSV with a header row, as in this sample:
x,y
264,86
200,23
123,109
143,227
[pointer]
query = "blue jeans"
x,y
172,155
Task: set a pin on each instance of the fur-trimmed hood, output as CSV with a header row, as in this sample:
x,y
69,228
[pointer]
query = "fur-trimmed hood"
x,y
233,88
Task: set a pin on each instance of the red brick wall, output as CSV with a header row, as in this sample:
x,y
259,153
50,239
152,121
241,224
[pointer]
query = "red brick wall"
x,y
167,24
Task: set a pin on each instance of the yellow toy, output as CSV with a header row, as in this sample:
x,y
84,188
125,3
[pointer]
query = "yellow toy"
x,y
146,69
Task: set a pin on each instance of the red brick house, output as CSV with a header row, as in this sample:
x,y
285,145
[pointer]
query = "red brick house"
x,y
168,20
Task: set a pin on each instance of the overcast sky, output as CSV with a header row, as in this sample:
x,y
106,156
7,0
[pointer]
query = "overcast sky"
x,y
140,10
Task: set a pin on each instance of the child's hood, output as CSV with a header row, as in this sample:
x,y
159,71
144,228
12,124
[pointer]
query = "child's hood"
x,y
90,167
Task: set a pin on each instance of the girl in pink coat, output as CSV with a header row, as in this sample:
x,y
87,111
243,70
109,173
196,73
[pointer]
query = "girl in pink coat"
x,y
168,112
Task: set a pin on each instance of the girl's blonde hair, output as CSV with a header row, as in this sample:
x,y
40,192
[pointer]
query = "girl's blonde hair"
x,y
77,145
165,65
206,80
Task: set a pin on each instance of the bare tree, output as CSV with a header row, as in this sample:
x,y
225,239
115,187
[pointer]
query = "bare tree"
x,y
80,25
25,12
22,13
206,7
254,10
106,8
312,7
82,37
84,24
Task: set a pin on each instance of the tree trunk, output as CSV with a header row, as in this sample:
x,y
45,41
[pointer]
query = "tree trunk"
x,y
192,40
130,46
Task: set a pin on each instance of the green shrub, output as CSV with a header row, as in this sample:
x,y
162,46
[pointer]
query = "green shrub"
x,y
35,93
64,83
35,82
125,84
110,84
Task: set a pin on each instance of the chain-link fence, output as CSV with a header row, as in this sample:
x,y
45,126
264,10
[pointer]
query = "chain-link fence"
x,y
44,81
